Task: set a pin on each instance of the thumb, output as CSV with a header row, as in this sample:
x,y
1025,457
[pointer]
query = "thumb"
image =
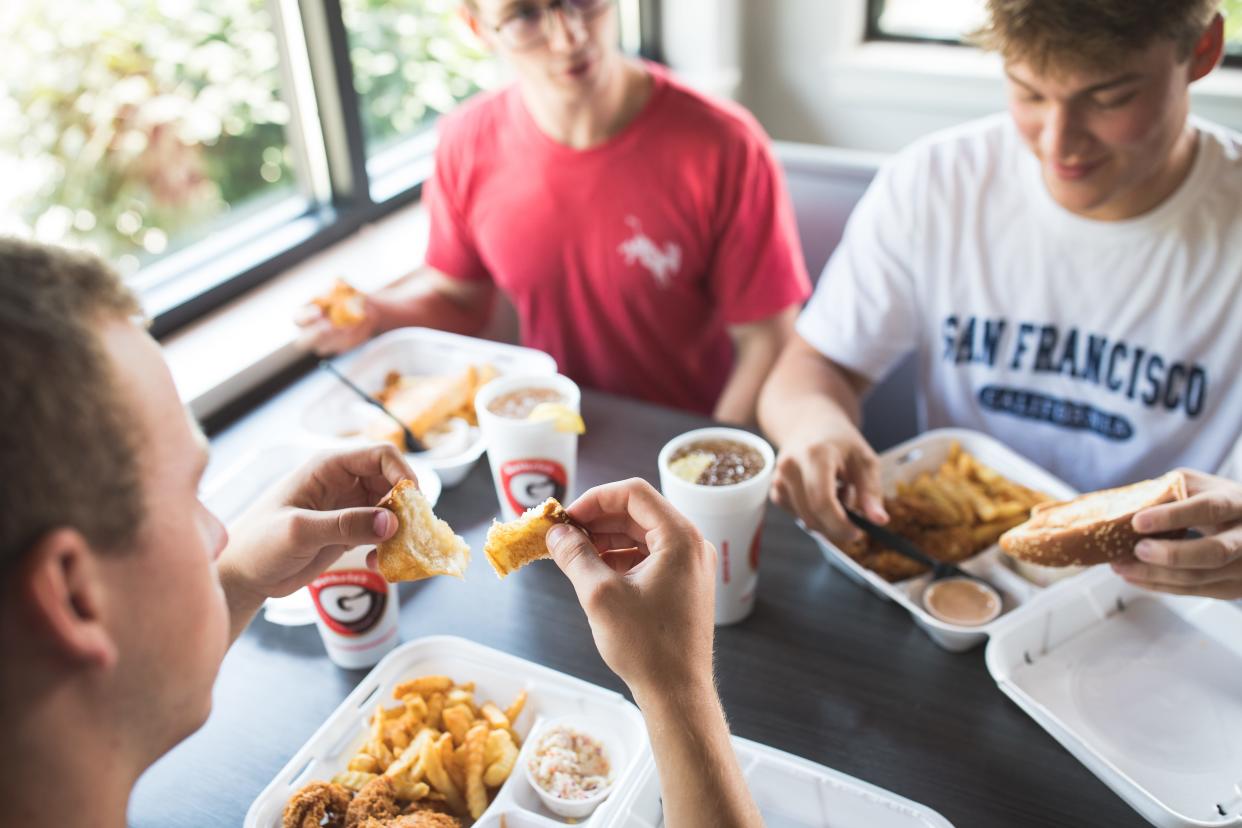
x,y
347,527
306,315
577,558
871,492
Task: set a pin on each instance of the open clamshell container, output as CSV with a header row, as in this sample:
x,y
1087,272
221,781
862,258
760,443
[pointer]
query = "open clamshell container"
x,y
339,414
926,453
792,792
1144,688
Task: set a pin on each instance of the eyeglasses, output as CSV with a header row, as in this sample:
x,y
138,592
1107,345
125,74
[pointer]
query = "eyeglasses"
x,y
529,25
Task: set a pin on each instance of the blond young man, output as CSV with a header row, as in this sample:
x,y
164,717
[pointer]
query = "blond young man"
x,y
120,592
1068,277
641,230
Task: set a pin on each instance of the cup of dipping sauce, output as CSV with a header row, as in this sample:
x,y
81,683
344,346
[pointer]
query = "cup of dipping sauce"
x,y
962,601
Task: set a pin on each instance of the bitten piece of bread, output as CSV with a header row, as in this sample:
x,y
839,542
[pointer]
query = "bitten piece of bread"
x,y
1092,528
511,546
424,545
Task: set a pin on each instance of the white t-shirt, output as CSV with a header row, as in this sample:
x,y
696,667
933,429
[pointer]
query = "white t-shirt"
x,y
1106,352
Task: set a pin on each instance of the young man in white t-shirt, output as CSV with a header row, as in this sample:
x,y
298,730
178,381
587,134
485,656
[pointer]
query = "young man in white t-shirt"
x,y
1068,276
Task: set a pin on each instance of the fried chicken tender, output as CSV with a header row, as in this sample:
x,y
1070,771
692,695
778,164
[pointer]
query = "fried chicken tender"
x,y
376,802
419,819
315,803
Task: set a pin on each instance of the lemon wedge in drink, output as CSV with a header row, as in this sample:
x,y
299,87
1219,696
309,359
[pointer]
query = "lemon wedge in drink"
x,y
563,417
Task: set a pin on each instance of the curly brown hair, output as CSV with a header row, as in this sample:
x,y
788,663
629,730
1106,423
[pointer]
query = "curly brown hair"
x,y
1090,34
68,448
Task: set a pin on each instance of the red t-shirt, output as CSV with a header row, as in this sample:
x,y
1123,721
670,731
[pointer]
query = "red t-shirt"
x,y
625,261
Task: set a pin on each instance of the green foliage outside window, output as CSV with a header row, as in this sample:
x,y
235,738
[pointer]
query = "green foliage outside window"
x,y
131,126
135,127
412,60
1233,25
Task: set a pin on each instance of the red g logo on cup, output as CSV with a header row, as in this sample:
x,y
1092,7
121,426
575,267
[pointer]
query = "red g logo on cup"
x,y
350,601
528,483
754,548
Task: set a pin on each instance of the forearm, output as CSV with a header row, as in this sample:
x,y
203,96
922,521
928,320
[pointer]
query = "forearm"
x,y
757,345
419,300
701,782
737,402
805,387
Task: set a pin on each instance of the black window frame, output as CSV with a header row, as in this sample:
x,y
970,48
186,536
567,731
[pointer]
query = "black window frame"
x,y
219,275
874,33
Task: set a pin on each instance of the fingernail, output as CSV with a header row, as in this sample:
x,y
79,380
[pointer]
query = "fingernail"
x,y
1141,523
385,523
1145,551
556,534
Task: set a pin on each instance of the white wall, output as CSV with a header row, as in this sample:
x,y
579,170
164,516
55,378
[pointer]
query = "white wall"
x,y
806,75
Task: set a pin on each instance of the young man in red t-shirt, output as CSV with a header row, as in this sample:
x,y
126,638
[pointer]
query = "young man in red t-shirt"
x,y
641,230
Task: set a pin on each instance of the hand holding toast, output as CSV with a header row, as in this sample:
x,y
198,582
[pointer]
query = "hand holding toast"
x,y
1210,565
651,606
651,609
303,524
326,333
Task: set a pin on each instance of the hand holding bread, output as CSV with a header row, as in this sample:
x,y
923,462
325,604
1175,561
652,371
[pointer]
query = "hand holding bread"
x,y
1141,529
646,579
1209,565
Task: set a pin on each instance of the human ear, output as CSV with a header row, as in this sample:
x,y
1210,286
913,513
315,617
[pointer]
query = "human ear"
x,y
1209,50
470,18
61,587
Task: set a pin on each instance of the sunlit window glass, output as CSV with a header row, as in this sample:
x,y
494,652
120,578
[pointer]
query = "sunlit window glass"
x,y
413,60
952,19
136,127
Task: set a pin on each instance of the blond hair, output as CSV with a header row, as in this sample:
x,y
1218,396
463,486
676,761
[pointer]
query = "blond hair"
x,y
1093,34
68,455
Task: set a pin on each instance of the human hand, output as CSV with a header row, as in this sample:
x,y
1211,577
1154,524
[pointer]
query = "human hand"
x,y
651,605
319,335
302,525
1210,565
821,471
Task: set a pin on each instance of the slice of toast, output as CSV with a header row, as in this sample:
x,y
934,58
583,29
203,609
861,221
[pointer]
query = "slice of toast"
x,y
423,545
1092,528
344,305
511,546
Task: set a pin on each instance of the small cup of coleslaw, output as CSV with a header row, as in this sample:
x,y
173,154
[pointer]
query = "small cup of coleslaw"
x,y
572,764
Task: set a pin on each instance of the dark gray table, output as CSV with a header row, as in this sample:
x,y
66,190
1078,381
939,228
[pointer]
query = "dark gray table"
x,y
823,669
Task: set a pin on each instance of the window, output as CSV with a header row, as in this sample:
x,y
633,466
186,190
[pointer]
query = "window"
x,y
202,146
412,60
142,127
950,20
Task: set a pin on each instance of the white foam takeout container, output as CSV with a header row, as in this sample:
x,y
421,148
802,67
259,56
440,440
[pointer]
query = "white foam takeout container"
x,y
338,414
926,453
498,677
231,492
1145,689
792,792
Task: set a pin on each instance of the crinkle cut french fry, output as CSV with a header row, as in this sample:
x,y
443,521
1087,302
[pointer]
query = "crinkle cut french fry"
x,y
437,775
514,710
457,720
423,686
354,780
495,717
499,757
476,792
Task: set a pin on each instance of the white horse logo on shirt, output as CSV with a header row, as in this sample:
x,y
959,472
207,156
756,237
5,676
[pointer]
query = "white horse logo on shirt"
x,y
662,262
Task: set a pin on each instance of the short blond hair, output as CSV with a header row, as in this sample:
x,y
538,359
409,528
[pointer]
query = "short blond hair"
x,y
1092,34
68,454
